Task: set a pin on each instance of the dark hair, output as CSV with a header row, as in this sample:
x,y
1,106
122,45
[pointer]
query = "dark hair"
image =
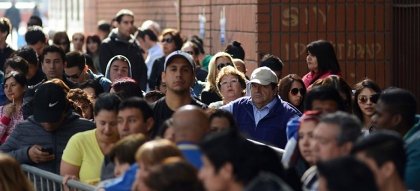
x,y
285,84
53,49
75,58
5,25
94,84
339,84
323,93
92,38
34,20
383,146
106,101
125,149
400,101
366,83
273,62
153,96
325,55
19,77
34,34
221,113
104,26
121,13
127,87
28,54
199,42
148,32
176,175
165,126
137,103
235,50
59,37
347,174
17,63
349,126
176,35
194,47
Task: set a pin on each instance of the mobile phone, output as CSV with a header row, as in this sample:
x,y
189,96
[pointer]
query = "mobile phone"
x,y
47,149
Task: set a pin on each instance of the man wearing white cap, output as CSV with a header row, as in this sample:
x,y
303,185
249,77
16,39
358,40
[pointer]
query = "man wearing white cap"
x,y
263,116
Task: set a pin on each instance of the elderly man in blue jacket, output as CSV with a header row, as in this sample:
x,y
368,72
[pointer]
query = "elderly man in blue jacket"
x,y
263,116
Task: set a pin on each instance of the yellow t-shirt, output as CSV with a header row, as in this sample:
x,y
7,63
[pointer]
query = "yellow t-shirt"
x,y
83,150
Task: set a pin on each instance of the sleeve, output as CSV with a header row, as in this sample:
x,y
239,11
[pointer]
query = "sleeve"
x,y
412,179
73,153
228,107
4,122
13,148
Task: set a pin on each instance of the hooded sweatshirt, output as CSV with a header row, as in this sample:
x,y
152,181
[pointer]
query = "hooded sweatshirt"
x,y
108,67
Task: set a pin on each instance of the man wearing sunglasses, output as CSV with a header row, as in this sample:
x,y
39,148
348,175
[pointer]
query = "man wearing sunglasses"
x,y
396,110
121,42
263,116
77,71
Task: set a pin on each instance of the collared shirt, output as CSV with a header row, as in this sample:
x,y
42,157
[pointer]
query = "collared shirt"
x,y
261,113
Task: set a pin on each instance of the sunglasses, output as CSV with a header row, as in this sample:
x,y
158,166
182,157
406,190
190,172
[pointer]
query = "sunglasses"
x,y
364,99
222,65
295,91
167,40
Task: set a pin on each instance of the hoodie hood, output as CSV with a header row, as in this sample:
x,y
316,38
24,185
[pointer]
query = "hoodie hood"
x,y
116,37
108,66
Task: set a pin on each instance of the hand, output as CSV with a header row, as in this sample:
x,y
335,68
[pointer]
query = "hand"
x,y
37,156
66,178
9,109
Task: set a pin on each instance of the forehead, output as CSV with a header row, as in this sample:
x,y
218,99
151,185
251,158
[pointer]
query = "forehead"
x,y
52,55
119,63
327,130
222,59
127,18
130,110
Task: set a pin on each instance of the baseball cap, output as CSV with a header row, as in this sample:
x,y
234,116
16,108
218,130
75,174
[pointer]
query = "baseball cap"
x,y
263,76
49,103
179,54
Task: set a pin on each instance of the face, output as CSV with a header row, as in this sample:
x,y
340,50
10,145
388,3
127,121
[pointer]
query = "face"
x,y
52,126
124,27
230,87
119,69
168,44
74,74
130,121
222,61
211,179
322,184
364,100
312,62
13,89
189,50
53,65
38,47
92,46
169,134
120,167
325,106
296,97
379,177
63,44
78,41
179,76
219,123
32,69
262,94
305,138
383,118
240,66
106,126
324,144
86,109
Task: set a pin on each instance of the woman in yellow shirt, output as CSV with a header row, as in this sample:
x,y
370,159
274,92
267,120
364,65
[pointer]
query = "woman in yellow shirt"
x,y
84,153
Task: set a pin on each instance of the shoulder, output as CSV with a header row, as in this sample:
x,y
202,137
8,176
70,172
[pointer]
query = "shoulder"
x,y
288,108
199,103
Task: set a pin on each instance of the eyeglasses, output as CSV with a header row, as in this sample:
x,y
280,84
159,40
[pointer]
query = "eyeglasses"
x,y
222,65
295,91
225,83
74,76
364,99
167,40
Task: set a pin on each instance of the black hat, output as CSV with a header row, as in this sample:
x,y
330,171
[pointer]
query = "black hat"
x,y
49,103
179,54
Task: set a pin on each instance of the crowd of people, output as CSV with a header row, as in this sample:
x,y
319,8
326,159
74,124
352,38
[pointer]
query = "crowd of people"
x,y
134,108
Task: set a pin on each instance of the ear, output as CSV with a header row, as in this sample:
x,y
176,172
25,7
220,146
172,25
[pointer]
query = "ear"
x,y
396,120
226,171
387,169
346,148
149,124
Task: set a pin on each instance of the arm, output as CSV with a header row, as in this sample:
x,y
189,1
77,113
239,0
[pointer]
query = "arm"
x,y
67,169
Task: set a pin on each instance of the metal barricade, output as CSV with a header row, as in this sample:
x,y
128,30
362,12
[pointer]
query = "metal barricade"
x,y
47,181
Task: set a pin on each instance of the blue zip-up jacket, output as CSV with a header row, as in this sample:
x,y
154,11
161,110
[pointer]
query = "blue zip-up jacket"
x,y
271,129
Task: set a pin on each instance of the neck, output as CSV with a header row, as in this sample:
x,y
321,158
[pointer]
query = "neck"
x,y
3,44
394,184
176,100
367,121
235,186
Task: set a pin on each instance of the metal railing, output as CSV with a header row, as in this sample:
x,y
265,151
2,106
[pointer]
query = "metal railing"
x,y
47,181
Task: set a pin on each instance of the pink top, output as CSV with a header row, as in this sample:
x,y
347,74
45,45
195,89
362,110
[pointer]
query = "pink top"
x,y
7,125
308,78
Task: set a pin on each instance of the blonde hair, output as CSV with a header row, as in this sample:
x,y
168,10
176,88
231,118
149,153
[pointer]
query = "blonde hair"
x,y
156,151
211,77
12,177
